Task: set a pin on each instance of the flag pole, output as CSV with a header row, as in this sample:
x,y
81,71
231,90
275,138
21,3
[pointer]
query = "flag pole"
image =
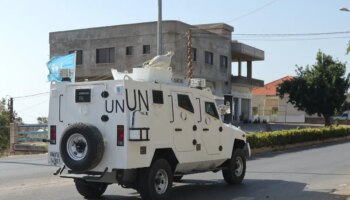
x,y
75,65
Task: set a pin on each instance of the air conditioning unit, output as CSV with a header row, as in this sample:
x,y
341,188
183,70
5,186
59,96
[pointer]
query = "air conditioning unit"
x,y
66,74
198,83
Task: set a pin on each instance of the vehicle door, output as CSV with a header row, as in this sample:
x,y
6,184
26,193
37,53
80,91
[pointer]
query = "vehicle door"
x,y
212,127
83,104
184,120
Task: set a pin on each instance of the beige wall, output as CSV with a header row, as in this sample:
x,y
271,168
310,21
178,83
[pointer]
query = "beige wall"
x,y
274,109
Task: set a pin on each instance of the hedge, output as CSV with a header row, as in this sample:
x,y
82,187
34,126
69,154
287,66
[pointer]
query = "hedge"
x,y
284,137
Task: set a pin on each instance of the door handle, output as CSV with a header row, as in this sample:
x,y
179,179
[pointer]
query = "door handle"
x,y
178,129
205,129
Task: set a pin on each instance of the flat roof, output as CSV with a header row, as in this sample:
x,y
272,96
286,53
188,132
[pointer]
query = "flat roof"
x,y
245,52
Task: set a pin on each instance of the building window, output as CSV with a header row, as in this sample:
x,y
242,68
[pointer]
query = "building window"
x,y
255,110
105,55
185,102
209,56
79,56
223,63
194,54
274,110
146,49
128,50
211,110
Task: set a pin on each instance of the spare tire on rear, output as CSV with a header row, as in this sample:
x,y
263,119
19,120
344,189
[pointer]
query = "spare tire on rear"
x,y
81,147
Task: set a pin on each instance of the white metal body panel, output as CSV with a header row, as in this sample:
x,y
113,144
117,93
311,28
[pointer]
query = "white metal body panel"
x,y
130,103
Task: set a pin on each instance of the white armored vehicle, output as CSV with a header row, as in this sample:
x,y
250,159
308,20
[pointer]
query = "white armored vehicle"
x,y
140,132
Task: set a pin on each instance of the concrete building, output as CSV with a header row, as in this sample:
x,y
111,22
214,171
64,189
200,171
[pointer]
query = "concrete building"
x,y
268,106
214,55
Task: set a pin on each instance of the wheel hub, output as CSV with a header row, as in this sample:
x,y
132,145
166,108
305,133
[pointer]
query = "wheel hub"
x,y
238,166
161,181
77,146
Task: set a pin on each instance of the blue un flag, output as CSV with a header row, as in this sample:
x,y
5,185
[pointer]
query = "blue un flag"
x,y
61,67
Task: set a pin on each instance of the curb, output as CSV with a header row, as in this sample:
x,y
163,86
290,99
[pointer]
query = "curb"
x,y
264,150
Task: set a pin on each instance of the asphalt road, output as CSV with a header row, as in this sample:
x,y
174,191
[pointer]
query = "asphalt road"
x,y
317,173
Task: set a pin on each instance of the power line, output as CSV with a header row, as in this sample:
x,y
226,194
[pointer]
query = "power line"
x,y
33,106
257,38
293,39
290,34
31,95
253,11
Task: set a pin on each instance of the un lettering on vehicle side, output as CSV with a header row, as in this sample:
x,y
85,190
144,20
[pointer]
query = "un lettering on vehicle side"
x,y
134,100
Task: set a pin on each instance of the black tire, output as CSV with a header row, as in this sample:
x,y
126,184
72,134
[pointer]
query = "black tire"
x,y
178,178
90,189
85,140
236,166
151,178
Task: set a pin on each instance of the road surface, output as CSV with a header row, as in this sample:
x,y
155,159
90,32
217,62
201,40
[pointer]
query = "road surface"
x,y
317,173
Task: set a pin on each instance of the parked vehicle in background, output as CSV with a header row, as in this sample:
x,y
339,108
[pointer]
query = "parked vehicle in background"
x,y
344,116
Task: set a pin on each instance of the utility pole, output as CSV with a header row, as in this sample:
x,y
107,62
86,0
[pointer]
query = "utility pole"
x,y
189,56
159,29
10,107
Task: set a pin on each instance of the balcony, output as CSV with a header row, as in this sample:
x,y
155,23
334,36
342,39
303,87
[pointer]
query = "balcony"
x,y
246,82
243,52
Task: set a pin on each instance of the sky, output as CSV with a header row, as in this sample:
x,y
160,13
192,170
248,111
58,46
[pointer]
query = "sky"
x,y
25,28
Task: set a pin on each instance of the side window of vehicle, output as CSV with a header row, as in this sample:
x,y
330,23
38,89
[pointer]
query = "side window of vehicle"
x,y
210,109
157,96
184,102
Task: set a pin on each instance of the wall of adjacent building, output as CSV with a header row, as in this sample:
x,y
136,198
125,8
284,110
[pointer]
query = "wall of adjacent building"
x,y
274,109
137,35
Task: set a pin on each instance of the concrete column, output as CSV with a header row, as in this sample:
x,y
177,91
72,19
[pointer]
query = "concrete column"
x,y
250,117
249,69
239,68
13,136
239,106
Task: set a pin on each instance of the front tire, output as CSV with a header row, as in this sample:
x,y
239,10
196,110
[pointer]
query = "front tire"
x,y
90,189
236,167
155,182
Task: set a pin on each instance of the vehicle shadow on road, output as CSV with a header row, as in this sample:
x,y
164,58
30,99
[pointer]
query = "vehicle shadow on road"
x,y
250,189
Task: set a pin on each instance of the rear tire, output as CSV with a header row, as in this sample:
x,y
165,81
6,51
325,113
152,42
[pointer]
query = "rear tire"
x,y
155,182
236,167
90,189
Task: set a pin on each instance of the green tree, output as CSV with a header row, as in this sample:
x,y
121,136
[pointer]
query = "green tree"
x,y
319,89
348,49
42,120
4,126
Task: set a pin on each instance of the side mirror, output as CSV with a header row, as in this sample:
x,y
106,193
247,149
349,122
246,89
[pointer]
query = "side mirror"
x,y
224,109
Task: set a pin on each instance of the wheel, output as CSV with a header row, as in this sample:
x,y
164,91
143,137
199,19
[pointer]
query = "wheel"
x,y
90,189
155,182
236,166
81,147
178,178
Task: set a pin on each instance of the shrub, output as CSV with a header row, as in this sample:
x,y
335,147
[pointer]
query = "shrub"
x,y
284,137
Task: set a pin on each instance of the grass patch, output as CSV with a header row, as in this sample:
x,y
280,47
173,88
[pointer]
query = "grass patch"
x,y
294,136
